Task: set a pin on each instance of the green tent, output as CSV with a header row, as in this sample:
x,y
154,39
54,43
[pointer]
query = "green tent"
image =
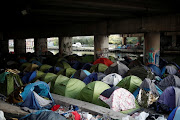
x,y
9,82
98,68
91,92
131,111
24,65
87,58
63,65
68,87
131,83
45,67
48,77
67,72
36,75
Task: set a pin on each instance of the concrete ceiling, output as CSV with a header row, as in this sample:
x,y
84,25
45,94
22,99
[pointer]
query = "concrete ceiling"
x,y
19,15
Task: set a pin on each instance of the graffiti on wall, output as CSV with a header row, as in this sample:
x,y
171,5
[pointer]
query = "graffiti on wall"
x,y
153,57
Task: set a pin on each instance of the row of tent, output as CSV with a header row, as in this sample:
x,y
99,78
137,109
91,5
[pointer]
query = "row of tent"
x,y
111,84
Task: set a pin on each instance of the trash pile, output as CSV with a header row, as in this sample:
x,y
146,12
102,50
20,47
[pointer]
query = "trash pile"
x,y
126,86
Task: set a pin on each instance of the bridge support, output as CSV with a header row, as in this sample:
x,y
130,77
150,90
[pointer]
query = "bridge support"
x,y
151,48
19,46
101,46
3,44
40,45
124,40
65,46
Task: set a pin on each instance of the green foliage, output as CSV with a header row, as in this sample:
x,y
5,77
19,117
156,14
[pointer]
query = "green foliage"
x,y
55,42
84,40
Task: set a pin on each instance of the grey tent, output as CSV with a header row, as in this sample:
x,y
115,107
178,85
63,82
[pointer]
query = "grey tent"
x,y
118,68
170,80
141,71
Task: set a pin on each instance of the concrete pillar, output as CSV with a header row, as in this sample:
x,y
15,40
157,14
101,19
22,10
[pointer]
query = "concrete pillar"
x,y
174,40
101,46
124,40
65,46
19,46
3,44
140,40
151,48
40,45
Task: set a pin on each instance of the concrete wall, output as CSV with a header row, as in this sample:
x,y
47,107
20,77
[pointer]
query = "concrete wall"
x,y
65,46
4,47
40,45
19,46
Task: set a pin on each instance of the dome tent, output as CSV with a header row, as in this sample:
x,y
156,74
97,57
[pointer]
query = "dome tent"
x,y
156,70
98,68
118,68
91,92
130,83
81,74
45,67
48,77
170,80
67,72
93,77
119,99
112,79
68,87
169,69
103,61
175,114
141,72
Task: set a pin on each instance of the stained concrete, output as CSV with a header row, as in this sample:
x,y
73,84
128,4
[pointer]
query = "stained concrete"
x,y
88,107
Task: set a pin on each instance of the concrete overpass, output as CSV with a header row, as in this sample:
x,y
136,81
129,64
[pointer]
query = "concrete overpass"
x,y
40,19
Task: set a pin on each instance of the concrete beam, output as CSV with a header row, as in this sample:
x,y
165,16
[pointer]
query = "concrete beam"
x,y
89,107
169,23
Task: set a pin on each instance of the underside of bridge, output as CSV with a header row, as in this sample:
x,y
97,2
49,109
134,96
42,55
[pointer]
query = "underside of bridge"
x,y
47,18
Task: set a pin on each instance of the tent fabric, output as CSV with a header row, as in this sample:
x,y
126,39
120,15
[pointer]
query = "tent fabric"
x,y
63,65
11,82
35,75
90,93
103,61
30,101
58,80
112,79
119,100
81,74
168,97
156,70
3,76
67,72
98,68
37,63
53,69
170,80
24,65
68,87
175,114
31,68
93,77
43,115
45,67
48,77
87,66
87,58
169,69
118,68
141,72
134,63
131,83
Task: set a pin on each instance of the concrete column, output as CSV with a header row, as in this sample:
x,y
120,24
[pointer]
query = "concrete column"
x,y
19,46
124,40
101,46
40,45
65,46
151,48
140,40
3,44
174,40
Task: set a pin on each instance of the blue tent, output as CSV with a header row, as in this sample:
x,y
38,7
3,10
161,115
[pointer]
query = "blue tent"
x,y
175,114
94,77
53,69
155,70
34,94
43,115
25,78
87,66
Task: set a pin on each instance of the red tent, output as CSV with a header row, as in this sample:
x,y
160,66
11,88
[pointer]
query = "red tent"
x,y
103,61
